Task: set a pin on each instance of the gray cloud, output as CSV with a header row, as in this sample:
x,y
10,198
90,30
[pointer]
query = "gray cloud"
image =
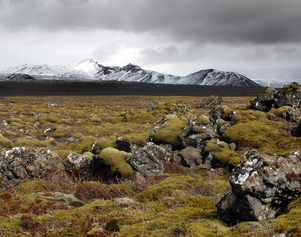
x,y
254,37
195,20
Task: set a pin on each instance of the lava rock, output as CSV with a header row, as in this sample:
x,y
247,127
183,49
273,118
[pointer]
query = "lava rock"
x,y
262,187
149,159
210,102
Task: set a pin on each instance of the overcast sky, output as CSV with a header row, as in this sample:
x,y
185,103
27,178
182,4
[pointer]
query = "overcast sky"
x,y
257,38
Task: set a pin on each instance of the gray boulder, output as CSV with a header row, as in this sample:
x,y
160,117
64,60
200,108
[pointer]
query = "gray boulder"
x,y
262,187
149,159
289,95
210,102
21,164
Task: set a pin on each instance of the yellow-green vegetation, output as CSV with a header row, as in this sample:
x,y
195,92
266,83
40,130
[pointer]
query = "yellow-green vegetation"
x,y
82,145
5,142
137,138
105,142
279,112
198,129
180,202
204,119
170,131
117,160
222,152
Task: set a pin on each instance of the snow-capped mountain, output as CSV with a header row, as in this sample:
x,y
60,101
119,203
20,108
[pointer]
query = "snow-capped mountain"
x,y
89,69
276,82
38,70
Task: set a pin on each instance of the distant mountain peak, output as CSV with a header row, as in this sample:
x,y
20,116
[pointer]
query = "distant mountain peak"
x,y
88,66
89,69
131,67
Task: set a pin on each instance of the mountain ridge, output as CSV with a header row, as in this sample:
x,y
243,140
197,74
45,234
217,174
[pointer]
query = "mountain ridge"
x,y
89,69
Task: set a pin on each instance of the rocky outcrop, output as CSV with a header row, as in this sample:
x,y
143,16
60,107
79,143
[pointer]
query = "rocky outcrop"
x,y
289,95
21,164
210,102
262,187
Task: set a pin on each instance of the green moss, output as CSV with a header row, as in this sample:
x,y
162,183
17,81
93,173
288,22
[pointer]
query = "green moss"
x,y
82,145
170,131
198,129
204,119
248,133
221,122
222,152
59,133
117,160
168,187
278,112
32,142
137,138
44,118
105,142
9,133
61,152
240,106
141,117
95,119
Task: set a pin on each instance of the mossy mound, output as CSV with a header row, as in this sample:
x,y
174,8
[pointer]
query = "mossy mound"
x,y
204,119
171,187
170,131
103,143
222,153
44,118
137,138
5,142
250,134
82,145
117,160
32,142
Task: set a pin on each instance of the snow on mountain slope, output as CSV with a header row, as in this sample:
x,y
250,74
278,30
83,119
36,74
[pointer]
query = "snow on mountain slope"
x,y
36,70
276,82
89,69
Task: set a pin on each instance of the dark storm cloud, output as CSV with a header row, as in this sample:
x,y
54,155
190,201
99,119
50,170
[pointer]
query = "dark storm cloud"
x,y
231,21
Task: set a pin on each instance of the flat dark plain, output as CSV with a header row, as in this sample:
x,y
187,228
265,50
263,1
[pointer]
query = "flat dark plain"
x,y
79,88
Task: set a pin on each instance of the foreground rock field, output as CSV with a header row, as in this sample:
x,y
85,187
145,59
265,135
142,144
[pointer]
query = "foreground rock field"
x,y
151,166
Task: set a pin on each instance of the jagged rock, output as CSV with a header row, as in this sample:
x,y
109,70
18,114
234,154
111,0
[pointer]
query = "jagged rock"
x,y
79,162
296,131
21,164
123,145
149,159
196,140
265,100
5,127
210,102
191,157
293,114
289,95
262,185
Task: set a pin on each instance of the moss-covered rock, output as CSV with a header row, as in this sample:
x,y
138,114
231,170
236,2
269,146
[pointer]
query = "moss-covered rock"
x,y
82,145
204,119
170,131
49,118
117,160
222,152
5,142
103,143
137,138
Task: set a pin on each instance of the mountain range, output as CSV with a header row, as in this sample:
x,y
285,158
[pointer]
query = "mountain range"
x,y
89,69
